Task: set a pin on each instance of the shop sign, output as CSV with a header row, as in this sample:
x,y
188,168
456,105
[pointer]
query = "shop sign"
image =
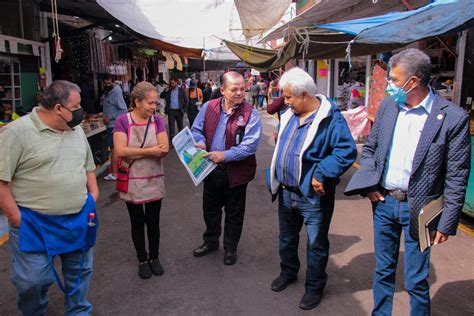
x,y
322,69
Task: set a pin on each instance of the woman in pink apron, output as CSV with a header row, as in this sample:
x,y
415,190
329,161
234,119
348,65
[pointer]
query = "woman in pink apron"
x,y
141,142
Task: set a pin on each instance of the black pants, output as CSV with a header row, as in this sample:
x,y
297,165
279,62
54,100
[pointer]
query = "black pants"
x,y
192,111
255,101
175,116
145,214
218,194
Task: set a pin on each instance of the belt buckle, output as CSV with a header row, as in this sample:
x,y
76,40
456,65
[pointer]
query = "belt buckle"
x,y
399,195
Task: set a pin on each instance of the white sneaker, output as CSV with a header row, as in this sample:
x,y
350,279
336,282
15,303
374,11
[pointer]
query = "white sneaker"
x,y
110,177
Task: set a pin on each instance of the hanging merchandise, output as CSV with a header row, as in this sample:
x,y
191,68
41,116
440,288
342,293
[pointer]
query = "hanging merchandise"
x,y
378,84
118,69
57,40
179,64
80,52
42,81
171,58
357,121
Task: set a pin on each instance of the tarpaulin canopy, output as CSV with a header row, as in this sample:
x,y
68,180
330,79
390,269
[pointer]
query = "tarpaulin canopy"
x,y
327,11
322,45
181,51
263,59
196,24
257,17
366,36
439,17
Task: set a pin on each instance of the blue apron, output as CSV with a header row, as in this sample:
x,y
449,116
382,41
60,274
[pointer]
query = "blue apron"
x,y
58,234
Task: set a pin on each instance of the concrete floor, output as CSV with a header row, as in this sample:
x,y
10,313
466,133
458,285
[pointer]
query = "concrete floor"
x,y
204,286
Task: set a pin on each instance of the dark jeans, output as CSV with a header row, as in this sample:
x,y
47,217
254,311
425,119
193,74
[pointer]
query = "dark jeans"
x,y
260,100
218,194
110,137
175,116
293,211
145,214
390,219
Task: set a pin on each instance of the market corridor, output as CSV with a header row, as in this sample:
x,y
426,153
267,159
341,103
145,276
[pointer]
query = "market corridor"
x,y
204,286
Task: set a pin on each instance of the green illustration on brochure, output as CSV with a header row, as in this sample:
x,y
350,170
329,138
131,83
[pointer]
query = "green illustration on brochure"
x,y
195,160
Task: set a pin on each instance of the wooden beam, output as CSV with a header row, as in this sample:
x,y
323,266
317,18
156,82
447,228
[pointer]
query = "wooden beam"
x,y
68,33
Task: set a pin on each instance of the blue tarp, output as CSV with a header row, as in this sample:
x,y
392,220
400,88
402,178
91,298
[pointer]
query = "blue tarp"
x,y
439,17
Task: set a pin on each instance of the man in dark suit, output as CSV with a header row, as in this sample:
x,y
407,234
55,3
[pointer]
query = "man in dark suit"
x,y
176,105
418,150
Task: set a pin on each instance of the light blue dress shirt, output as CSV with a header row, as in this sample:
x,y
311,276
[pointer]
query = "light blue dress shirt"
x,y
174,99
408,128
246,148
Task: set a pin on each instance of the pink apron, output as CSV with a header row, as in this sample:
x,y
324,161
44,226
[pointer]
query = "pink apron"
x,y
146,175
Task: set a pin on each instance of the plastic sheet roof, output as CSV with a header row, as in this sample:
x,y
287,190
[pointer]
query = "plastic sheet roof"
x,y
366,36
437,18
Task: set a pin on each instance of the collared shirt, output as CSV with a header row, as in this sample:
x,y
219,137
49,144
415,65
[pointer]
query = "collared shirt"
x,y
246,148
174,100
291,141
408,128
45,167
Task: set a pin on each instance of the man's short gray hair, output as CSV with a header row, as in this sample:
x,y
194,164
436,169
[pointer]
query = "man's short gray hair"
x,y
58,93
414,63
299,80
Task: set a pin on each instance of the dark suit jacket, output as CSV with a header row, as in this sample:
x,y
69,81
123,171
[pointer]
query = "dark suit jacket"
x,y
440,166
182,99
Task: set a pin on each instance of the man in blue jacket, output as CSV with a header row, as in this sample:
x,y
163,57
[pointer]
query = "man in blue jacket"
x,y
113,105
418,150
314,148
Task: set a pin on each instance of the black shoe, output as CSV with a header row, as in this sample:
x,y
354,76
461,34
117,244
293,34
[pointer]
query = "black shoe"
x,y
280,283
156,267
204,250
310,300
144,270
230,258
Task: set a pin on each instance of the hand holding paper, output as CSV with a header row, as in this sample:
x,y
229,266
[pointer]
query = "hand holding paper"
x,y
216,156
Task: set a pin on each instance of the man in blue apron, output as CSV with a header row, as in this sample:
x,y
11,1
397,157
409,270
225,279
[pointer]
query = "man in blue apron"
x,y
48,191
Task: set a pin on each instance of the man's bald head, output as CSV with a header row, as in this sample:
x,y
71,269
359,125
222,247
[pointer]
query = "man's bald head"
x,y
231,75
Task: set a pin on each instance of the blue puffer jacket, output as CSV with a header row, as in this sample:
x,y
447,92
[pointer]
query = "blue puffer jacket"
x,y
328,150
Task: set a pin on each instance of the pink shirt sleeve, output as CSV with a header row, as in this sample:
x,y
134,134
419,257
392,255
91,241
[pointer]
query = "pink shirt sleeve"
x,y
160,124
121,124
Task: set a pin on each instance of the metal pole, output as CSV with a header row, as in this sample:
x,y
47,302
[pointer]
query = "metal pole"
x,y
459,69
46,53
20,11
368,69
204,57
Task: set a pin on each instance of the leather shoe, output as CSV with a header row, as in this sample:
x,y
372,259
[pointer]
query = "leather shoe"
x,y
203,250
230,258
280,283
310,300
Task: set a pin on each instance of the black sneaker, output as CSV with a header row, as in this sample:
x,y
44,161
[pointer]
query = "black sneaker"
x,y
144,270
156,267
